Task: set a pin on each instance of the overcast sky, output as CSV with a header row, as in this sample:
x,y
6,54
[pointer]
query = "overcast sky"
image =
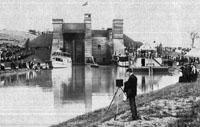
x,y
166,21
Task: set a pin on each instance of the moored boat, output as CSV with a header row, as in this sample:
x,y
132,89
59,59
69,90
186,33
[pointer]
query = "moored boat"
x,y
147,60
123,61
61,59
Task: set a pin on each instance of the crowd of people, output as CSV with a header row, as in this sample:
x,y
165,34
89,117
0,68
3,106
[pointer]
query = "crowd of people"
x,y
9,53
147,54
189,73
13,57
25,65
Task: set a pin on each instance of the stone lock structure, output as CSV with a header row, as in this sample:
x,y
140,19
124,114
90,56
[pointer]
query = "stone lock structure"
x,y
85,44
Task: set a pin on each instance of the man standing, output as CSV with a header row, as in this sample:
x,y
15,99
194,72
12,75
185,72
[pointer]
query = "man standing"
x,y
130,89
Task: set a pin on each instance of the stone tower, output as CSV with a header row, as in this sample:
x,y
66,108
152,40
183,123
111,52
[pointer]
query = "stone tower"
x,y
57,34
88,36
118,41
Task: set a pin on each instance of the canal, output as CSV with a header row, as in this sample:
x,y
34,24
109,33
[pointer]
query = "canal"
x,y
52,96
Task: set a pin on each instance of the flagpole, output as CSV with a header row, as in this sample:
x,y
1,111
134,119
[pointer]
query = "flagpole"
x,y
84,6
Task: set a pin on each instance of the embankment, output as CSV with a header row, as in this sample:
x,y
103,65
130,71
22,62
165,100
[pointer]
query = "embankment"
x,y
175,105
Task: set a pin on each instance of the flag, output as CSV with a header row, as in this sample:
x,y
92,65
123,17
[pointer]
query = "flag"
x,y
85,4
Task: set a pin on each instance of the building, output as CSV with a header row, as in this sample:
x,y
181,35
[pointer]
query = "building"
x,y
86,44
82,42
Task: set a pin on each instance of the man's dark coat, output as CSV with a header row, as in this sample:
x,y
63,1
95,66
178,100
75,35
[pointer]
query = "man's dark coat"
x,y
131,86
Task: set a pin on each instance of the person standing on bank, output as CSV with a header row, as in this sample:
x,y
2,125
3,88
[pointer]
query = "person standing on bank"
x,y
130,88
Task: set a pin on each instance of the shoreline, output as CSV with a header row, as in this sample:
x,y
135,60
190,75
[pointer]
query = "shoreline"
x,y
165,107
13,71
10,71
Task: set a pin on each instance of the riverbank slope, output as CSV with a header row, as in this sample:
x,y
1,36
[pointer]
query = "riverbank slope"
x,y
174,105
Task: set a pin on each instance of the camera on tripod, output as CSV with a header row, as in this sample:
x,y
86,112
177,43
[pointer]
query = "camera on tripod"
x,y
119,82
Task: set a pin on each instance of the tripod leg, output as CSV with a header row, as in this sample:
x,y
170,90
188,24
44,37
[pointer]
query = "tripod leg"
x,y
118,105
123,91
116,110
113,99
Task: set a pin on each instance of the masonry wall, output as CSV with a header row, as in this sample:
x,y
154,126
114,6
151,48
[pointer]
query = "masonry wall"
x,y
118,41
88,35
57,34
101,50
74,44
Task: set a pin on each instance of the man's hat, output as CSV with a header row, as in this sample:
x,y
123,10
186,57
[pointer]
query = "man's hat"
x,y
129,70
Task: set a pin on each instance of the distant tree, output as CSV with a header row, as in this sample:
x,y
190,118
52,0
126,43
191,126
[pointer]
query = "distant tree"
x,y
194,36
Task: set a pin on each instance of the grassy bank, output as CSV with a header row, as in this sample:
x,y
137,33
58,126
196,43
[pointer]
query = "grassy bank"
x,y
175,105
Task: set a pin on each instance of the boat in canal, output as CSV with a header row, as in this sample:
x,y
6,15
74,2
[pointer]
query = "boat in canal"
x,y
122,60
61,59
149,65
147,60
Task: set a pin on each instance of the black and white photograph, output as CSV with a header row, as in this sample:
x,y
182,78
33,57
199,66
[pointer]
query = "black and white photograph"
x,y
99,63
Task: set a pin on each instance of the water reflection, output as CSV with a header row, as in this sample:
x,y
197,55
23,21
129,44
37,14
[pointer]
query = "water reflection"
x,y
52,96
149,83
83,87
143,84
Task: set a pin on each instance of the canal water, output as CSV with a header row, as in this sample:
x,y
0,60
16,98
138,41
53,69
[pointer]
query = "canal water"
x,y
52,96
